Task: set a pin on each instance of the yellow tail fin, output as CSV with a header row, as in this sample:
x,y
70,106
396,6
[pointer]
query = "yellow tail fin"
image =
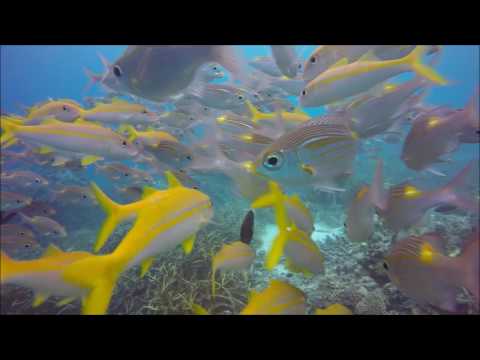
x,y
414,60
256,115
8,126
276,199
97,274
114,216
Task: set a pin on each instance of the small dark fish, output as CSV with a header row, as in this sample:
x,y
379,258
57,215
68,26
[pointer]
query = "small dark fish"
x,y
246,231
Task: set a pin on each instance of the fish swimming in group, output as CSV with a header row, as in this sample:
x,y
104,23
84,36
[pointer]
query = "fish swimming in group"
x,y
44,226
443,130
406,204
237,255
132,173
279,298
158,72
359,224
286,60
92,141
13,201
313,153
421,269
348,80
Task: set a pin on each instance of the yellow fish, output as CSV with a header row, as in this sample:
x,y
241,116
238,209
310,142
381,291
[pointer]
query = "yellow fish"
x,y
160,227
279,298
334,309
44,275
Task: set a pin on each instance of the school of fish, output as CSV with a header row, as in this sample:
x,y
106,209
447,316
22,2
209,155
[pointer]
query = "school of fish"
x,y
174,112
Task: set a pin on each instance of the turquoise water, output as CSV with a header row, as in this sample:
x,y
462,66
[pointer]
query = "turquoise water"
x,y
32,74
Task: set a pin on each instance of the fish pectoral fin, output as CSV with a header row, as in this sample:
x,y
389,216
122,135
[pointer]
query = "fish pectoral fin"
x,y
187,245
145,266
59,161
90,159
39,299
66,301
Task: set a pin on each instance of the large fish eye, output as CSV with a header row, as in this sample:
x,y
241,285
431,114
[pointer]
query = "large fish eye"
x,y
19,201
273,161
144,111
117,71
304,93
188,157
21,233
124,143
299,66
240,97
84,196
126,174
37,181
313,60
65,108
385,265
27,245
215,68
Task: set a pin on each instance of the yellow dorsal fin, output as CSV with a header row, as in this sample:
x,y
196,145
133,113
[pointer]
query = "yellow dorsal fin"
x,y
147,191
172,180
187,245
52,250
145,265
341,62
90,159
368,56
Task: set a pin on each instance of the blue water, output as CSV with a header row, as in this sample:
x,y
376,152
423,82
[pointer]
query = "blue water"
x,y
33,74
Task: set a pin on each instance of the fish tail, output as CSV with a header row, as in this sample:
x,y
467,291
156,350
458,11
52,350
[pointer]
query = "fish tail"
x,y
452,192
9,126
114,216
228,57
275,198
377,191
130,130
255,114
414,60
93,78
99,275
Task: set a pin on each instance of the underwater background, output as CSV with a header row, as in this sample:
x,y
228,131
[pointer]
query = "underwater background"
x,y
353,274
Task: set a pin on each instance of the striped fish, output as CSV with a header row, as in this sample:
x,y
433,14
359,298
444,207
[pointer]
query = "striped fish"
x,y
313,153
